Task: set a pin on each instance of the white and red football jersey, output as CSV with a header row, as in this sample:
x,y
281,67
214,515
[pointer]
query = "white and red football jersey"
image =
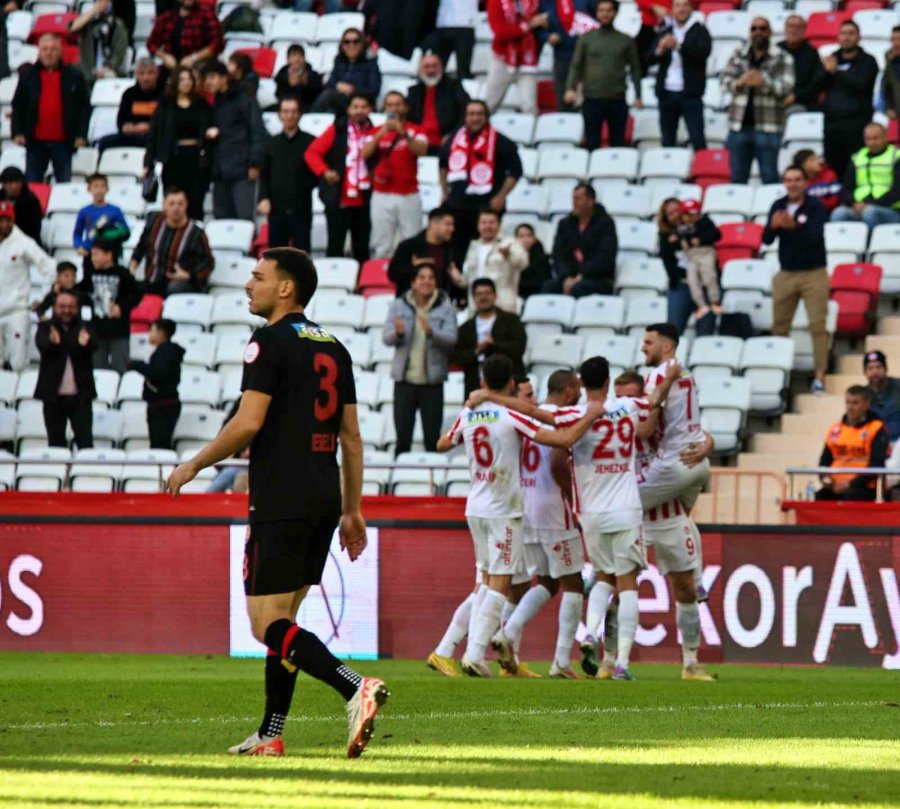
x,y
545,506
679,421
493,437
603,462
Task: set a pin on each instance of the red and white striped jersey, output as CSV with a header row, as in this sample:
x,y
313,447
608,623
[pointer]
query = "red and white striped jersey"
x,y
662,516
680,417
545,506
493,437
603,463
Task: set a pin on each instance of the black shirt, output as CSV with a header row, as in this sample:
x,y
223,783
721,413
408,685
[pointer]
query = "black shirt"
x,y
309,375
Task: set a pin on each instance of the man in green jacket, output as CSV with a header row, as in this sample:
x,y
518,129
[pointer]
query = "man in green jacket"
x,y
601,57
871,191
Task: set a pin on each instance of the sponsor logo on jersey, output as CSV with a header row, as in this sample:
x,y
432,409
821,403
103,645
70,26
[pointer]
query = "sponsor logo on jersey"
x,y
483,417
306,331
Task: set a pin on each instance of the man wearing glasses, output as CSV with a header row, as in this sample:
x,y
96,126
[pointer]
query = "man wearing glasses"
x,y
759,79
352,73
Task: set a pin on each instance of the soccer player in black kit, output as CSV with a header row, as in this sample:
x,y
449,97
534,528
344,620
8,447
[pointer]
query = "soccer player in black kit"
x,y
298,405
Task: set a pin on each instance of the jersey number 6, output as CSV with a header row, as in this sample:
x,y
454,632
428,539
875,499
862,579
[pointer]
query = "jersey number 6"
x,y
481,446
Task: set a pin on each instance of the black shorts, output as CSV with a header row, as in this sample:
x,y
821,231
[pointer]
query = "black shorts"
x,y
286,555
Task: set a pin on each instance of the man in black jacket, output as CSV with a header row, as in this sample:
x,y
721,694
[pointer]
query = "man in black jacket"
x,y
136,108
681,50
50,130
65,381
114,293
437,102
849,83
286,182
584,251
26,204
161,377
491,331
239,135
431,246
808,71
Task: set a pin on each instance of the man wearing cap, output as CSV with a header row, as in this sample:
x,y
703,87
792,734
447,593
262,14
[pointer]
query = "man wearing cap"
x,y
884,392
17,253
27,206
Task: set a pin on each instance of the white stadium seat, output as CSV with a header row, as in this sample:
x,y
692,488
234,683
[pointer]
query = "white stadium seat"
x,y
642,274
559,127
728,198
548,352
614,162
106,383
199,347
517,126
665,162
599,314
554,309
804,126
67,198
618,350
748,274
846,237
192,309
625,200
339,309
637,236
525,198
230,310
724,407
95,477
123,161
716,352
47,477
767,364
562,162
643,311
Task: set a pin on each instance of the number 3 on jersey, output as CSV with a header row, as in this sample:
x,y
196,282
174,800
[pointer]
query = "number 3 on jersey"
x,y
326,367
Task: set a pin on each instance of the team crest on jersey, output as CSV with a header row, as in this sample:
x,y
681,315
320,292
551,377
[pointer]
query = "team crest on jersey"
x,y
306,331
483,417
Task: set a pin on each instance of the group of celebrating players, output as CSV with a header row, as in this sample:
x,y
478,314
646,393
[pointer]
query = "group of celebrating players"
x,y
610,476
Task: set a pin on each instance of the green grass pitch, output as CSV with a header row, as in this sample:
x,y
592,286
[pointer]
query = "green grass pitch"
x,y
123,731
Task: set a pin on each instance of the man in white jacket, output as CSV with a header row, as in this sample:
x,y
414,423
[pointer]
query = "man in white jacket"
x,y
493,256
17,253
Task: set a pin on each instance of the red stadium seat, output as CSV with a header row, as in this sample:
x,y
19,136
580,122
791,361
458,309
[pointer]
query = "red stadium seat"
x,y
862,5
148,310
711,163
822,27
716,5
546,96
373,278
739,240
894,131
629,131
42,192
856,287
263,60
71,54
57,24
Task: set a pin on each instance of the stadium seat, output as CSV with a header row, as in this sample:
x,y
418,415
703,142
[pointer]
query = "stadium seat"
x,y
562,162
108,92
26,384
84,162
724,407
230,349
19,25
200,348
148,310
670,162
131,387
422,482
804,126
122,162
557,310
547,352
194,430
230,377
642,274
763,198
20,54
716,352
232,273
376,312
230,311
614,162
559,127
48,477
517,126
748,274
847,237
359,345
30,428
728,24
67,198
822,27
873,22
339,310
263,60
106,383
739,240
455,389
757,307
711,163
199,387
661,191
190,309
560,201
337,273
767,363
617,349
315,123
638,237
624,200
8,382
855,288
56,24
598,314
366,387
331,26
525,198
14,155
728,198
643,311
7,460
296,26
230,234
372,426
149,478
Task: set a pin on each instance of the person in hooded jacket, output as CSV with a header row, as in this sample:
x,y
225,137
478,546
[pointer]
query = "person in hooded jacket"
x,y
161,377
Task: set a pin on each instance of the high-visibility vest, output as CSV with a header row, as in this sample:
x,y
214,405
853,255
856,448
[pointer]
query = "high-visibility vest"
x,y
874,175
852,446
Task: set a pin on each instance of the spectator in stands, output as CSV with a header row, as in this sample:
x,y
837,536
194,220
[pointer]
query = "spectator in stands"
x,y
537,273
697,234
17,254
808,72
421,325
66,281
653,14
514,52
798,222
681,50
114,293
161,377
345,185
297,79
65,382
601,58
584,251
28,207
759,80
174,249
178,140
50,112
286,183
495,256
890,82
680,303
564,22
187,35
858,440
136,108
872,182
822,181
239,136
849,84
884,392
489,331
479,168
454,32
430,246
353,74
437,102
242,75
102,42
99,220
395,148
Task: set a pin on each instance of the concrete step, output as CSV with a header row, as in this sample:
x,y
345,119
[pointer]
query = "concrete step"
x,y
852,364
838,383
814,424
825,404
889,325
780,444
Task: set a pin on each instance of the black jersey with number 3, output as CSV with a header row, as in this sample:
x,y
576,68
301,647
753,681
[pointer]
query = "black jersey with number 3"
x,y
309,375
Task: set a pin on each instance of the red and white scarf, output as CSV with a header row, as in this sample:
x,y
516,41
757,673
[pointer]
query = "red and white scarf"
x,y
520,53
356,177
574,23
472,159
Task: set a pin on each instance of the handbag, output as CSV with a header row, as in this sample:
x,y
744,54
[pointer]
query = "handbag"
x,y
150,186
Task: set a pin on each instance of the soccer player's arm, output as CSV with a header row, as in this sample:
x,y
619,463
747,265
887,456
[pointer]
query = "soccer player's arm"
x,y
453,437
564,437
480,396
696,453
352,529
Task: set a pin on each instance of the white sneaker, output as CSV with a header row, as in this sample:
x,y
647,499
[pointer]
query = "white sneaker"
x,y
558,672
474,669
506,654
257,745
362,709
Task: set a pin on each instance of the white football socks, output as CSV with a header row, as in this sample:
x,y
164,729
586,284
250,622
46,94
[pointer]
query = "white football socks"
x,y
525,610
628,621
569,617
487,622
698,553
458,628
598,604
688,618
611,635
476,608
